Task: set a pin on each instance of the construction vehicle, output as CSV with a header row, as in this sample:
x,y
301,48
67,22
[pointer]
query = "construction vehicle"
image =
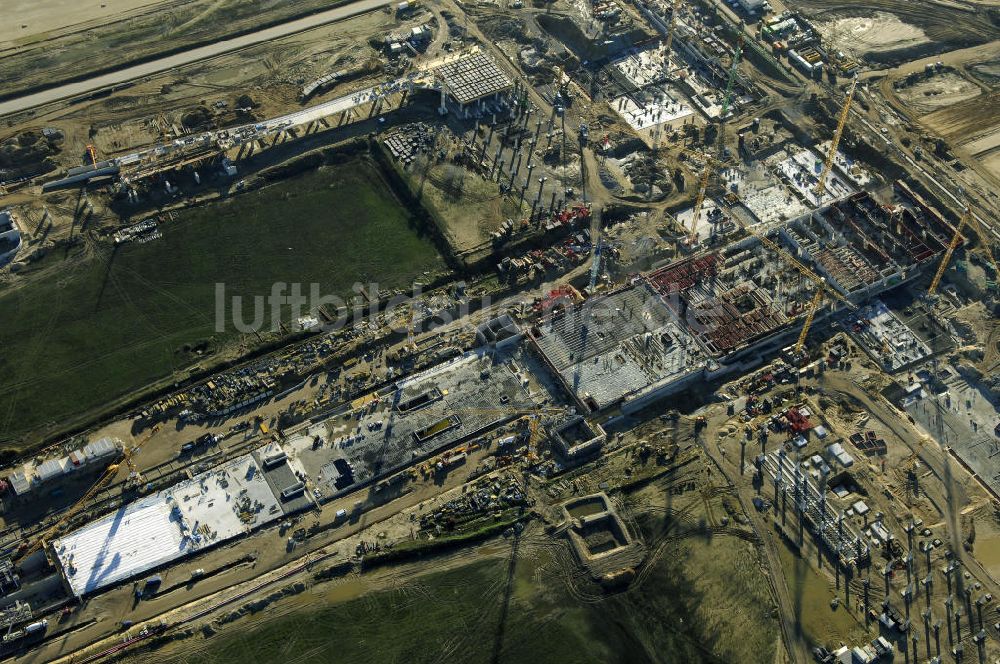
x,y
835,142
28,548
956,239
561,84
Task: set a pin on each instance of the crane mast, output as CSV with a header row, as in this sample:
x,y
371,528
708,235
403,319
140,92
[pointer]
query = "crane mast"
x,y
673,25
598,240
821,183
797,264
27,548
727,99
813,307
702,189
955,239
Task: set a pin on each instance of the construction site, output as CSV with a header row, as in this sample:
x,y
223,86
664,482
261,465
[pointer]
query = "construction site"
x,y
674,321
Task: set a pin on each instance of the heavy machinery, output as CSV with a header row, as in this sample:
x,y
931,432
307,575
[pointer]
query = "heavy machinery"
x,y
531,415
835,142
28,548
956,239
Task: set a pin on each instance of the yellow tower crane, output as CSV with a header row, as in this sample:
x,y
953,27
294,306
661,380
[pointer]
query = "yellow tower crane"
x,y
700,200
798,265
822,287
821,183
109,474
955,240
532,414
813,308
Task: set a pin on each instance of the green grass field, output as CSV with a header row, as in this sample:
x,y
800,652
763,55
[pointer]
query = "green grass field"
x,y
87,331
463,615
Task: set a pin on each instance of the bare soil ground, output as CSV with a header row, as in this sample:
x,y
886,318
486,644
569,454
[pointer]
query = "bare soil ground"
x,y
988,72
881,32
973,127
65,39
939,91
957,105
470,206
971,120
271,75
32,20
894,31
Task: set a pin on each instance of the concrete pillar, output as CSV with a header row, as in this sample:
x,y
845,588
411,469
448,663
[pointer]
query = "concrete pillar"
x,y
927,632
948,603
866,585
784,504
489,138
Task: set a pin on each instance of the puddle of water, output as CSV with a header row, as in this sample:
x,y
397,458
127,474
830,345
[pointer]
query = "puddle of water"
x,y
987,552
586,508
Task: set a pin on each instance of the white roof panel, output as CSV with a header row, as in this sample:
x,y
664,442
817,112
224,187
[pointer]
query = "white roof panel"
x,y
50,468
211,507
136,538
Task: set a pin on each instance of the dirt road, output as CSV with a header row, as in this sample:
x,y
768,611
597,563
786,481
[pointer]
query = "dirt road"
x,y
187,57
